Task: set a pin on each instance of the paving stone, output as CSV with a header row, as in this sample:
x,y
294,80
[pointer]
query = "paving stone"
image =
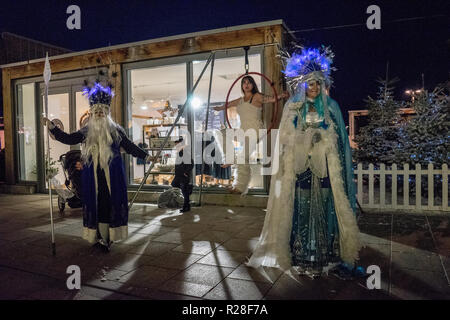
x,y
155,294
248,234
197,247
175,237
108,285
287,288
113,274
172,221
176,260
439,222
17,284
214,236
231,227
441,234
136,239
353,290
20,235
127,262
47,227
379,231
187,288
90,293
148,276
376,254
446,264
138,223
71,230
153,248
406,224
375,218
242,245
203,274
257,225
247,273
51,294
414,241
192,227
419,283
367,238
155,230
417,260
224,258
236,289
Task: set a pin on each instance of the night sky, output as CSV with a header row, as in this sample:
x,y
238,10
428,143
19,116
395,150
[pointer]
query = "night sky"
x,y
411,47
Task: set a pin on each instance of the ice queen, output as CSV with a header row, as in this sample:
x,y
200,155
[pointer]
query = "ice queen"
x,y
310,226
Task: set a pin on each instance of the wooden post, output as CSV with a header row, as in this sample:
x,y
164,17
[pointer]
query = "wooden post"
x,y
8,118
272,69
117,103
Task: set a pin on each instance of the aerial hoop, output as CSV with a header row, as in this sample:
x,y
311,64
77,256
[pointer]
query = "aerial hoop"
x,y
275,110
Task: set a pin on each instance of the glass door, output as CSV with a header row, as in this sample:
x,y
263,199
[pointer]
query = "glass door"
x,y
157,94
68,106
58,110
26,134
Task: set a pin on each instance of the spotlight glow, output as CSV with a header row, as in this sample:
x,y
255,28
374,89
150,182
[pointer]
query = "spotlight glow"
x,y
196,102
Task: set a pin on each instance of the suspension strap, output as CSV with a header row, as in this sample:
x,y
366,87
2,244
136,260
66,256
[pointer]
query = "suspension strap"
x,y
246,59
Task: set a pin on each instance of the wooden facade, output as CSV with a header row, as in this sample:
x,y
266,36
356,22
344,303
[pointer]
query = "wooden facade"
x,y
269,33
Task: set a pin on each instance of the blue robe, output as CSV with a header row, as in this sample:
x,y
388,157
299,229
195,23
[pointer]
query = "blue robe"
x,y
102,206
310,221
314,240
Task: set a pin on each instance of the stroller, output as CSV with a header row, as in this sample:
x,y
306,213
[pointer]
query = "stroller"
x,y
73,180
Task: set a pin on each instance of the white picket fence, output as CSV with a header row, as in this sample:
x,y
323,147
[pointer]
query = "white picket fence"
x,y
375,197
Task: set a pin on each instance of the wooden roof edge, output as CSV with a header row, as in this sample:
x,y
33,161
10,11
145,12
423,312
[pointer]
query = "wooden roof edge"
x,y
156,40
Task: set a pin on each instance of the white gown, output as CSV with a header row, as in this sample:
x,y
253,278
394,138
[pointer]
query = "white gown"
x,y
250,118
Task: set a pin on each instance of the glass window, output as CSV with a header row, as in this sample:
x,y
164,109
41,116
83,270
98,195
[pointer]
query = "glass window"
x,y
226,71
58,108
26,132
156,95
82,108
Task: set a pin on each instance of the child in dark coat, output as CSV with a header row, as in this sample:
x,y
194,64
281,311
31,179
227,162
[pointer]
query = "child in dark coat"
x,y
182,179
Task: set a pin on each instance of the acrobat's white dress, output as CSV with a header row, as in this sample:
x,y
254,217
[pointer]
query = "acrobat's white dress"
x,y
250,118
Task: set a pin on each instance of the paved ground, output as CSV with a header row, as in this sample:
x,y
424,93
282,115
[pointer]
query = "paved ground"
x,y
200,255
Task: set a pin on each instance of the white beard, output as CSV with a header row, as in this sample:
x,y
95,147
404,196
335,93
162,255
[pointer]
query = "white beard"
x,y
99,140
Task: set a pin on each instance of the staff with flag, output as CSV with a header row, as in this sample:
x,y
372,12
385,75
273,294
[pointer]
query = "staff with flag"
x,y
47,76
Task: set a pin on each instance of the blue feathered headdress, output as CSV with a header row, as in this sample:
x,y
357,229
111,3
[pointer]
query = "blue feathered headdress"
x,y
309,64
98,94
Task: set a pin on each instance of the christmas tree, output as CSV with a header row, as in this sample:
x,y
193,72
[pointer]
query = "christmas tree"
x,y
426,137
379,141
